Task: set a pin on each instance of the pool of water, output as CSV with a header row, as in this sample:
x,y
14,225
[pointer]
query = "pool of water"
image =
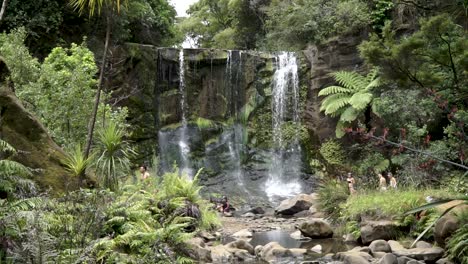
x,y
329,245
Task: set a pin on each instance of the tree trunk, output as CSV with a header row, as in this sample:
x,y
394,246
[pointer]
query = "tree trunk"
x,y
92,121
2,11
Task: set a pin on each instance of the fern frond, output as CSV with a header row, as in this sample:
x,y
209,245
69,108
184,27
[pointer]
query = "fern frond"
x,y
360,100
5,147
334,90
349,115
336,105
339,130
332,98
373,84
10,168
350,80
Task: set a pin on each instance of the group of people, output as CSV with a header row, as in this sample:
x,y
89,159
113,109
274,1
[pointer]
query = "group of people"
x,y
382,182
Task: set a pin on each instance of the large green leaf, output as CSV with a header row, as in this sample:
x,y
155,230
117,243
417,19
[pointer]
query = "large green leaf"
x,y
432,205
332,99
339,130
351,80
334,90
349,115
336,105
360,100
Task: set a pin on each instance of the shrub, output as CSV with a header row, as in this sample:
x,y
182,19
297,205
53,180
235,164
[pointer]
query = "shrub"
x,y
457,245
332,194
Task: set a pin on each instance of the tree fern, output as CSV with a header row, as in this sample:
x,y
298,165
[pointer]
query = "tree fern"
x,y
350,99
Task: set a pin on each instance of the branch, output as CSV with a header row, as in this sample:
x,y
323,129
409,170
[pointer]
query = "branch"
x,y
382,139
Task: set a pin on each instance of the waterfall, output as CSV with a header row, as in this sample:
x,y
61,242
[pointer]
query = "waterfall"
x,y
183,144
285,163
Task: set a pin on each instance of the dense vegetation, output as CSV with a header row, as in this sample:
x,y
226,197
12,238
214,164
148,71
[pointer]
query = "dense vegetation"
x,y
405,110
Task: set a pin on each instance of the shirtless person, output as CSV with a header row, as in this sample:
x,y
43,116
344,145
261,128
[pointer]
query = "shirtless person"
x,y
144,172
351,183
382,182
393,182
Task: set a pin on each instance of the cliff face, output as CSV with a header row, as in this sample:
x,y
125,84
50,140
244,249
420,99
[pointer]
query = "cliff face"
x,y
336,54
35,147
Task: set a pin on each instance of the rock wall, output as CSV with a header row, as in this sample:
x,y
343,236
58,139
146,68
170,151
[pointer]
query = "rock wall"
x,y
337,54
35,147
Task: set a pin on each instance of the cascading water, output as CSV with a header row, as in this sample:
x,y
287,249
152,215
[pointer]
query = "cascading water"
x,y
285,163
183,140
235,139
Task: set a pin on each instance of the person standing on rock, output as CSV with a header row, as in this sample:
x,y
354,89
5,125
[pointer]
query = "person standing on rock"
x,y
382,182
351,183
393,182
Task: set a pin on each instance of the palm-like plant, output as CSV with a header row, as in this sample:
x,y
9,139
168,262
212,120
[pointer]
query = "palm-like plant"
x,y
350,99
115,153
76,163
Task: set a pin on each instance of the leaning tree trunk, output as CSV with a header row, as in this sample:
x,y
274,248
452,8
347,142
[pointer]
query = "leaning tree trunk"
x,y
92,121
2,11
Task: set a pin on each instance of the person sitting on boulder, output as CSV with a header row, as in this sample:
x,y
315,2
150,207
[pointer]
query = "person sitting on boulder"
x,y
223,205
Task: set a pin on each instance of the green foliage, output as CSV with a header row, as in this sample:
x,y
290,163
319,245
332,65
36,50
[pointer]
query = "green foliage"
x,y
95,6
389,204
380,13
294,24
226,24
203,123
349,100
113,162
76,163
458,245
332,194
333,152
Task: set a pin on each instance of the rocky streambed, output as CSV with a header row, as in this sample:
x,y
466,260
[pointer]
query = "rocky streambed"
x,y
296,232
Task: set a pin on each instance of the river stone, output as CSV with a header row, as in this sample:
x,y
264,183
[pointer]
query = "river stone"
x,y
389,258
360,249
298,236
374,230
241,244
294,205
197,250
444,261
256,210
240,254
378,255
207,236
404,260
272,251
248,215
380,245
395,245
219,254
354,257
242,233
298,252
317,249
423,244
426,254
316,228
414,262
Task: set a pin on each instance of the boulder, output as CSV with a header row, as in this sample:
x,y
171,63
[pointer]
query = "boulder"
x,y
316,228
444,228
197,250
36,149
298,252
256,210
374,230
360,249
354,257
241,244
243,233
395,245
423,244
413,261
378,255
380,246
348,238
388,258
294,205
219,254
207,236
425,254
272,251
304,213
